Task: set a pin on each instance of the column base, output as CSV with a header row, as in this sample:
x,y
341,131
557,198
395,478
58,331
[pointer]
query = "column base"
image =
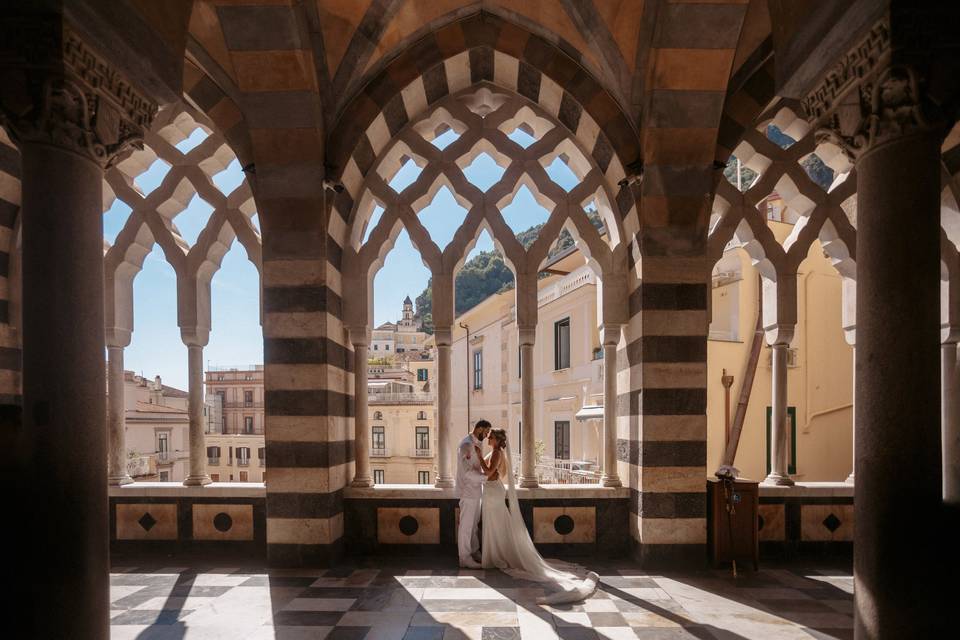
x,y
197,481
849,479
611,481
119,481
529,483
778,480
444,483
362,482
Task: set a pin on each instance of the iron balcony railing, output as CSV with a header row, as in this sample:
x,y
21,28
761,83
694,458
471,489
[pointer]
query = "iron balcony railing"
x,y
213,460
379,452
421,453
243,462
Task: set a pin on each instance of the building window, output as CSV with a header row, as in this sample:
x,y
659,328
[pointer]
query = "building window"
x,y
378,476
262,455
248,424
421,415
561,440
376,347
243,456
561,344
423,438
519,362
791,439
423,477
243,476
378,415
164,476
248,398
215,477
421,375
213,455
163,447
379,442
478,369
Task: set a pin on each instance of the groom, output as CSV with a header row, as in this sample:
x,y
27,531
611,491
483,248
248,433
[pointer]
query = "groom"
x,y
470,480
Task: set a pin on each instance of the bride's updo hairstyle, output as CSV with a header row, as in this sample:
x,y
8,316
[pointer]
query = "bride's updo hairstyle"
x,y
501,437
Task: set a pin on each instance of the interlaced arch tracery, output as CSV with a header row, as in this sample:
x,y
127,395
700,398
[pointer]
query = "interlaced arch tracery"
x,y
483,116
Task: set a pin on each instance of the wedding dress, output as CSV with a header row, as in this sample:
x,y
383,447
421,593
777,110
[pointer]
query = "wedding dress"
x,y
507,545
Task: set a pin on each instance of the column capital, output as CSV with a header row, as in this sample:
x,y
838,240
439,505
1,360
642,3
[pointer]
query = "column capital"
x,y
527,335
443,336
610,334
117,338
359,335
194,336
779,334
66,95
867,98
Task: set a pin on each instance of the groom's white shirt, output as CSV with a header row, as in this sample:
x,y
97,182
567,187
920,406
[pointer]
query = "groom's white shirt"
x,y
470,477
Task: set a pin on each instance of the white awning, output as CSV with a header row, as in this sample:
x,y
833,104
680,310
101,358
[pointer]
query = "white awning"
x,y
590,412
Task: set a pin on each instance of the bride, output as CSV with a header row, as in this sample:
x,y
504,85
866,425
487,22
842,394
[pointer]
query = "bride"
x,y
506,542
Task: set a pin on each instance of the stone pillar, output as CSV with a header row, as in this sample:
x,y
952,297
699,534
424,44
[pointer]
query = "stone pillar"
x,y
58,108
610,340
198,452
116,429
950,422
444,340
887,126
361,421
853,434
779,432
528,461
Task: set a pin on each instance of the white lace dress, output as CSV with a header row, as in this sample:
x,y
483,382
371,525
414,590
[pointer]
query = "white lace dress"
x,y
507,545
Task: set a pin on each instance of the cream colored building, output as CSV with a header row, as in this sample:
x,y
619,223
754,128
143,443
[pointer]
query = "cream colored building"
x,y
403,440
156,429
235,446
401,337
568,384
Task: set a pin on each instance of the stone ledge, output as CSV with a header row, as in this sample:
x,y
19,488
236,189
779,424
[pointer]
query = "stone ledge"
x,y
429,492
177,490
808,490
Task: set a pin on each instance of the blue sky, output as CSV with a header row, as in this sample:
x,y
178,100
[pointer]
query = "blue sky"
x,y
236,336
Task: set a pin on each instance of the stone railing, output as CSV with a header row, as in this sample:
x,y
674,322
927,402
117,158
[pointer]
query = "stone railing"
x,y
401,398
577,278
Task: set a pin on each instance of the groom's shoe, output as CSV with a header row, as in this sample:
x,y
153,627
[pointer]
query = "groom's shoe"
x,y
470,563
477,557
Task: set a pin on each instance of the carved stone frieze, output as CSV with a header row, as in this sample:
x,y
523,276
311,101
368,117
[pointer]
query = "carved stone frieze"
x,y
67,95
866,99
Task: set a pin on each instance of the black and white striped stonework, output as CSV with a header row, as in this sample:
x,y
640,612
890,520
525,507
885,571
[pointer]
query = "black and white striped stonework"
x,y
10,394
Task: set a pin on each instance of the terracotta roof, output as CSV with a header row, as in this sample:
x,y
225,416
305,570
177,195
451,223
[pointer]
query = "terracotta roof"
x,y
146,407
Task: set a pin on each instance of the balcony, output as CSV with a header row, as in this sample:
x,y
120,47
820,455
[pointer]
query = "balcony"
x,y
261,462
401,398
243,462
379,452
421,453
165,457
243,405
213,461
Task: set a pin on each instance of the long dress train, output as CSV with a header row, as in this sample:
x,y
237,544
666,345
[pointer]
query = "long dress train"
x,y
507,545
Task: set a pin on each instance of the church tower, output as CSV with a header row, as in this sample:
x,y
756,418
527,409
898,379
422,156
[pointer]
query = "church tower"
x,y
407,323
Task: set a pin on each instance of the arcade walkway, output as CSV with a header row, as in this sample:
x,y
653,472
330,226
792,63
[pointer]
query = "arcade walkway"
x,y
412,599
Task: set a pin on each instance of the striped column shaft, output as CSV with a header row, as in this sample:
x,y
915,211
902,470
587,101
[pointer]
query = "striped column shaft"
x,y
10,394
308,386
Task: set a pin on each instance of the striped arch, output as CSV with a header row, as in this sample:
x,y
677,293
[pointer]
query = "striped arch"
x,y
482,48
10,395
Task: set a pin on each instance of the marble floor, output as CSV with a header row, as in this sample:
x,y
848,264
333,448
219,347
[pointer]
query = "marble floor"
x,y
413,599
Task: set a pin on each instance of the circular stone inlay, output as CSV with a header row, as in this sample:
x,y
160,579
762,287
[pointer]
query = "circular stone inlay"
x,y
222,522
563,524
408,525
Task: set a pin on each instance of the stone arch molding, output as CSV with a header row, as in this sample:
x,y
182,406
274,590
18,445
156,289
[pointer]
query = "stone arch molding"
x,y
152,220
483,116
823,215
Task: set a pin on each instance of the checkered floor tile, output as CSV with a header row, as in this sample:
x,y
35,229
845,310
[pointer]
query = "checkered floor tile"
x,y
410,601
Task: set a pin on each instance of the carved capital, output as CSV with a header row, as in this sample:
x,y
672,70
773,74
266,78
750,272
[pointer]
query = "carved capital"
x,y
67,95
866,100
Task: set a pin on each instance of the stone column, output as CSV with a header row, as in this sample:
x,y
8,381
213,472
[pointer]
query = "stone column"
x,y
610,340
888,130
950,422
779,432
58,109
444,340
116,429
853,435
361,421
198,452
528,461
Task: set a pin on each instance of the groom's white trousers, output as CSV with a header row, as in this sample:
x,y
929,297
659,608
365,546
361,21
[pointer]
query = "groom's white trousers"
x,y
468,542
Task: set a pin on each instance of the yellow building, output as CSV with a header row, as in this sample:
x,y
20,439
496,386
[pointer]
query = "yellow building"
x,y
568,377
